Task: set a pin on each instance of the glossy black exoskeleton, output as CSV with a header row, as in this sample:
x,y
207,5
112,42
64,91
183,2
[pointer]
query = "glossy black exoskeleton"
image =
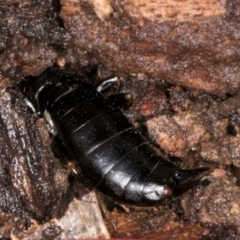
x,y
110,153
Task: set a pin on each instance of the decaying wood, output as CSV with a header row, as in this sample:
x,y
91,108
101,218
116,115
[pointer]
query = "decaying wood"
x,y
190,43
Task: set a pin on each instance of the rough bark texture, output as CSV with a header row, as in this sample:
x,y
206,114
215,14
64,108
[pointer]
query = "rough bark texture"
x,y
30,37
32,181
191,46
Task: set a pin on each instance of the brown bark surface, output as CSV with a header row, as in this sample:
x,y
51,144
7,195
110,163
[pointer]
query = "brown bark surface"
x,y
190,43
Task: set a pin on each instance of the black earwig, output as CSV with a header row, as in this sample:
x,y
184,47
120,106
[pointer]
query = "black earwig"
x,y
111,154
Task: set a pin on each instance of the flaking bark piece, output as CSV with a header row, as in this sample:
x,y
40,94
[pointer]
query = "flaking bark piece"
x,y
32,181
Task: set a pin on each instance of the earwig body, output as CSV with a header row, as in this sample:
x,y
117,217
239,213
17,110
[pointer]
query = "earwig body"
x,y
111,154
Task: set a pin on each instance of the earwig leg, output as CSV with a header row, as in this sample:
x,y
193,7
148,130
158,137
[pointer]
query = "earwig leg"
x,y
121,100
107,84
30,105
142,128
77,189
64,155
